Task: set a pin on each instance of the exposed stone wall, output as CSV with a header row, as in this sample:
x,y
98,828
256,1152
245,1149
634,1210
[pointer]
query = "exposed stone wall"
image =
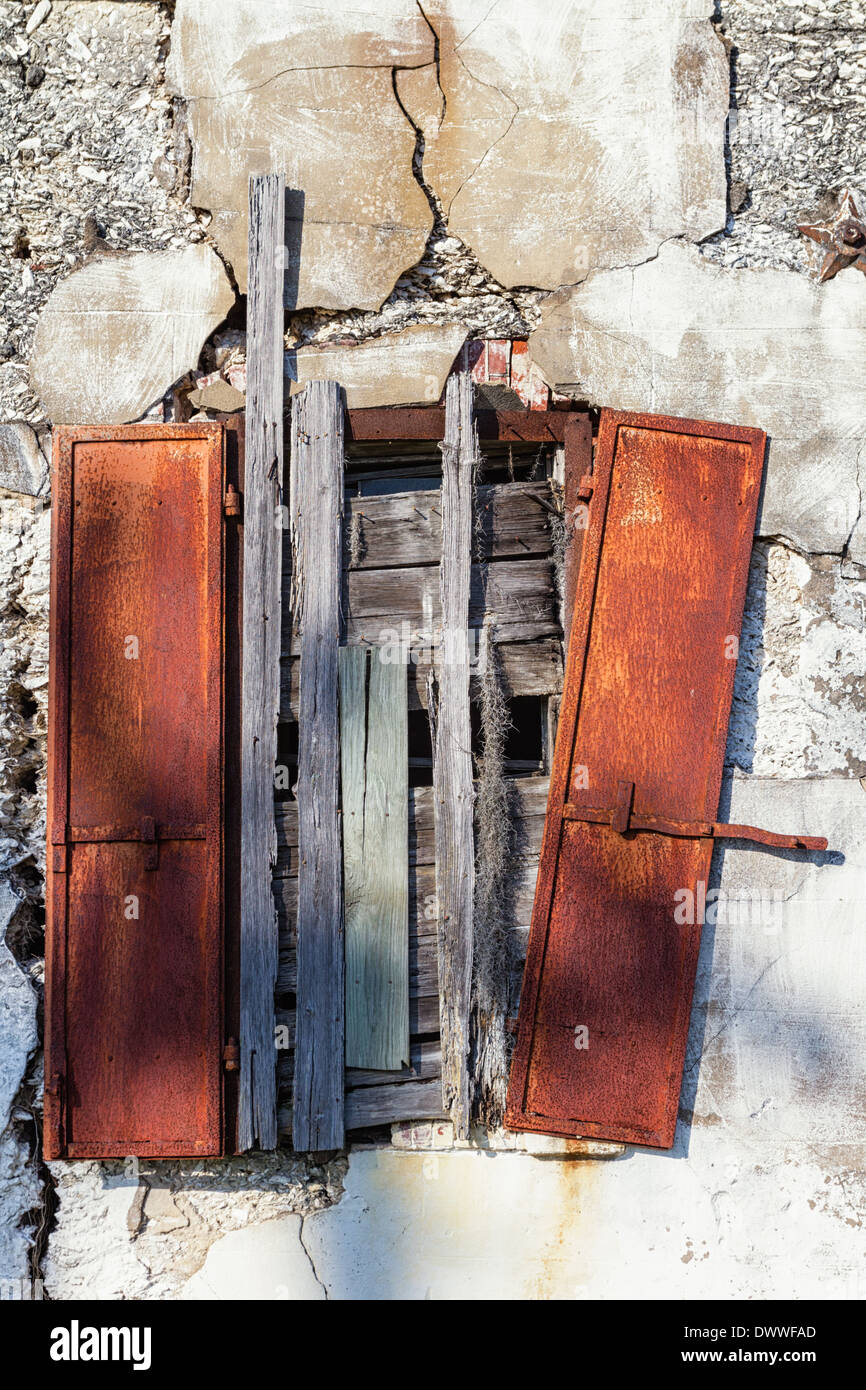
x,y
455,156
797,124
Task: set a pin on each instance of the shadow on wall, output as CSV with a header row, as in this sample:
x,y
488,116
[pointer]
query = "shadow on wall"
x,y
739,757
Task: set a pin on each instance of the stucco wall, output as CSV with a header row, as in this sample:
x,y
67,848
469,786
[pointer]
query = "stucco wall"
x,y
464,181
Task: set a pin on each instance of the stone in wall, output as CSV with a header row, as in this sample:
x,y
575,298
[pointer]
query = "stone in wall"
x,y
404,368
24,593
683,336
563,138
23,466
307,90
116,334
87,129
19,1183
797,127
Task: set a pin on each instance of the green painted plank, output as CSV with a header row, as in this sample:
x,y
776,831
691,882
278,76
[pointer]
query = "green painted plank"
x,y
374,752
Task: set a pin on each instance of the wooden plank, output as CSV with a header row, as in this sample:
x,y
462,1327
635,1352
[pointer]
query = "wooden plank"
x,y
520,889
382,1105
405,528
528,668
452,757
528,793
374,760
257,1122
394,607
316,522
425,1058
578,465
423,1019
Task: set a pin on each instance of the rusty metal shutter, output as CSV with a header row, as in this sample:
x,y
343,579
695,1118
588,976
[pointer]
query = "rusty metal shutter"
x,y
134,1014
607,991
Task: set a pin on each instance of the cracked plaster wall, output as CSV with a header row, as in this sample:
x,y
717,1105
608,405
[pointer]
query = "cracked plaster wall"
x,y
459,164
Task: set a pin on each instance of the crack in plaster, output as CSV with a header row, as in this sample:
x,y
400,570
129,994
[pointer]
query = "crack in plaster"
x,y
505,96
322,1285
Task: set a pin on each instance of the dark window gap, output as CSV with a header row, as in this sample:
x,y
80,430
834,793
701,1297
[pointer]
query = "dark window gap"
x,y
524,743
286,772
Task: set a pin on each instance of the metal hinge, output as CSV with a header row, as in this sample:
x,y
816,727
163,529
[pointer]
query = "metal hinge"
x,y
585,488
54,1109
232,1055
232,501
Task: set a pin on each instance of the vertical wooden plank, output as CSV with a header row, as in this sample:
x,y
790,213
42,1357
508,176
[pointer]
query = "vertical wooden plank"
x,y
374,716
452,755
316,528
257,1101
578,465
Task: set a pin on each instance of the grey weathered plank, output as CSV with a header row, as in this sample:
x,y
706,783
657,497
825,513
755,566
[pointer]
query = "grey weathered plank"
x,y
516,597
375,782
520,887
423,1018
257,1109
528,668
530,804
316,515
452,755
425,1058
423,949
381,1105
405,528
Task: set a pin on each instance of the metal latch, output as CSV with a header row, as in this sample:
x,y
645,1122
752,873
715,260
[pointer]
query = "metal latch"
x,y
621,818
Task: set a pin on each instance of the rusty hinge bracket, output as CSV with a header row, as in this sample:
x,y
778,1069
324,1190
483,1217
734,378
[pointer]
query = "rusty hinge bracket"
x,y
232,501
622,819
59,836
148,836
54,1118
232,1055
585,488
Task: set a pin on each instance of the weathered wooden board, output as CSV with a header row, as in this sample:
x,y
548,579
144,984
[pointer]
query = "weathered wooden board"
x,y
400,529
375,772
527,668
520,888
453,793
316,516
530,801
423,1018
516,597
368,1106
260,689
425,1057
577,467
610,971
